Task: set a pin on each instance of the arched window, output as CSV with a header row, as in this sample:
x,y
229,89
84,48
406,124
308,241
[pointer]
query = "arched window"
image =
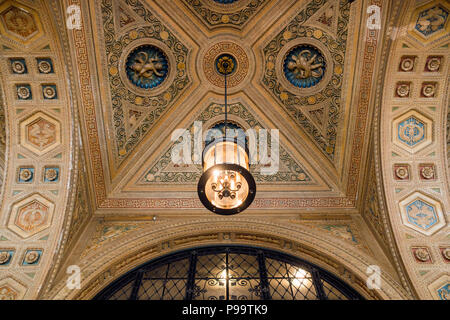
x,y
228,273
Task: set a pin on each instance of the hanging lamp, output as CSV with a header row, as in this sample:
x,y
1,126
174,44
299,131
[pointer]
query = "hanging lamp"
x,y
226,186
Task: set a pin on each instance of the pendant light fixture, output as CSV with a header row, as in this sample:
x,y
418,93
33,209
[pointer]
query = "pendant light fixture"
x,y
226,186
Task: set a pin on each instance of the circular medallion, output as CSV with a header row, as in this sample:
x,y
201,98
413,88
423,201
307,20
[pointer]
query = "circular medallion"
x,y
428,90
31,257
304,66
23,93
422,254
434,64
402,173
225,64
18,67
4,257
446,253
237,61
51,174
44,66
25,174
403,90
147,66
49,92
407,64
225,1
427,172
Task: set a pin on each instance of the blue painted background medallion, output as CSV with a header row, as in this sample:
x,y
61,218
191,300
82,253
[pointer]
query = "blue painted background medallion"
x,y
304,66
147,66
421,214
411,131
431,20
231,64
444,292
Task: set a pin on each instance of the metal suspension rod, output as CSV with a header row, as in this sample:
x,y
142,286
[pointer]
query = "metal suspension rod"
x,y
226,107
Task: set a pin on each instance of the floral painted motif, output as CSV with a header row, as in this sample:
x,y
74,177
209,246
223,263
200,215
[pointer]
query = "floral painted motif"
x,y
32,215
421,214
41,133
411,131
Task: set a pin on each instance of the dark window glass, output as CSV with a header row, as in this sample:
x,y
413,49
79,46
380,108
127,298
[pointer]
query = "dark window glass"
x,y
228,273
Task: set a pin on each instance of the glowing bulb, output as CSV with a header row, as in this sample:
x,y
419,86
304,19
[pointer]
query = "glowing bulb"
x,y
300,275
223,274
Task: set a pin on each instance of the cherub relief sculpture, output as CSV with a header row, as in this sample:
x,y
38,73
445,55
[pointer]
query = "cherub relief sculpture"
x,y
146,67
303,65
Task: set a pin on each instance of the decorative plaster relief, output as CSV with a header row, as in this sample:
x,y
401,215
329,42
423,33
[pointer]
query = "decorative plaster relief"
x,y
422,213
40,133
412,131
31,215
440,288
19,22
422,254
402,172
10,289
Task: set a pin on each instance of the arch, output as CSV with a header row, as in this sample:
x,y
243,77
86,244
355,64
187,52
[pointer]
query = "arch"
x,y
106,263
229,272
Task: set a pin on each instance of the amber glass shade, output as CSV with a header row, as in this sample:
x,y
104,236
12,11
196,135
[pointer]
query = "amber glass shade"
x,y
226,186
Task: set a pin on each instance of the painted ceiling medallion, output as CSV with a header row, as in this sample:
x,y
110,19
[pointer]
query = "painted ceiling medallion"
x,y
19,21
147,66
431,20
229,61
304,66
225,50
411,131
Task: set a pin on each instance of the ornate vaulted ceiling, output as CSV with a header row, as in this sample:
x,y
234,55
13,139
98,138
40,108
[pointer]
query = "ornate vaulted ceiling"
x,y
90,112
134,124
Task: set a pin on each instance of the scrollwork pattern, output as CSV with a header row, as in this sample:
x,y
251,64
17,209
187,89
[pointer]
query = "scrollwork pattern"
x,y
115,45
336,48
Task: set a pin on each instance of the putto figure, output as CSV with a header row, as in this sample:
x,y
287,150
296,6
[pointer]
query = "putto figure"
x,y
146,66
303,67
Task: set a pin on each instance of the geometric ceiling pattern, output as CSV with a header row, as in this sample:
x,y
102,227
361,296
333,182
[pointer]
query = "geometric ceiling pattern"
x,y
91,103
413,118
315,109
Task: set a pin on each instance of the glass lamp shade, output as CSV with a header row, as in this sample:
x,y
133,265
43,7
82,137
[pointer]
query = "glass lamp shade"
x,y
226,186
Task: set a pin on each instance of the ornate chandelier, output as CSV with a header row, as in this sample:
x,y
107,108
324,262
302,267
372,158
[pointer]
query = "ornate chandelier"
x,y
226,186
